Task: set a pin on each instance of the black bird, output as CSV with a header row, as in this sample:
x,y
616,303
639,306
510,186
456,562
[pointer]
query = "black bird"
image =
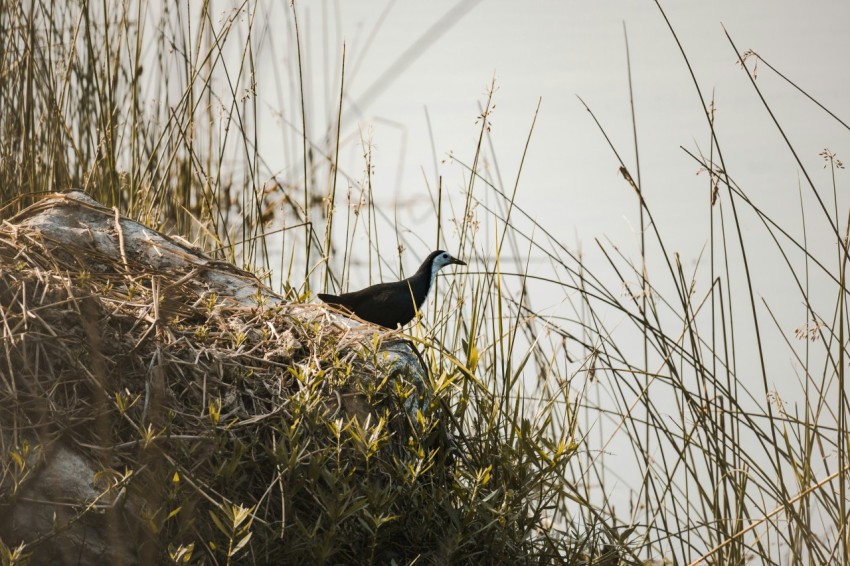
x,y
394,304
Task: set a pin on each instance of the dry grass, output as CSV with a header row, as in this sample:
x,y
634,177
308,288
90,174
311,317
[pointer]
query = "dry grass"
x,y
257,430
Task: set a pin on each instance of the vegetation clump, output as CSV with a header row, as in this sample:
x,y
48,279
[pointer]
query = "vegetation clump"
x,y
217,430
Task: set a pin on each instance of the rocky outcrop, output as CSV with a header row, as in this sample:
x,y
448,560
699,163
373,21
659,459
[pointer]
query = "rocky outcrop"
x,y
130,358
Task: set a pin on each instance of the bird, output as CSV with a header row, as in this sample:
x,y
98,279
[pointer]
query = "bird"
x,y
392,305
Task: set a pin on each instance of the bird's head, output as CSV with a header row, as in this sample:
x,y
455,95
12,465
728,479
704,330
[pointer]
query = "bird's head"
x,y
440,259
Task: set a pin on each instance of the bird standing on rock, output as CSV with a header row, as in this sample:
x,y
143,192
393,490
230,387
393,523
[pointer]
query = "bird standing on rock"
x,y
394,304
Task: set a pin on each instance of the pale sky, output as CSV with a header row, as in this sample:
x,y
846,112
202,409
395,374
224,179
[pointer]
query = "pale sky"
x,y
404,58
556,51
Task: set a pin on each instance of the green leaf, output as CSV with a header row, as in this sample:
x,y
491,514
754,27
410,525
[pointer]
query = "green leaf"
x,y
219,524
240,544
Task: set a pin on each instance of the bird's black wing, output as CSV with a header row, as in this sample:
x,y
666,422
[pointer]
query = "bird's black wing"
x,y
353,300
385,304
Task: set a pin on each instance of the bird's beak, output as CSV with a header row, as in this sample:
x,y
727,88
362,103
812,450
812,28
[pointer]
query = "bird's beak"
x,y
457,261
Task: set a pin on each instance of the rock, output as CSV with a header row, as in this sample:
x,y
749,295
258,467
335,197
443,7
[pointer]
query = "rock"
x,y
108,289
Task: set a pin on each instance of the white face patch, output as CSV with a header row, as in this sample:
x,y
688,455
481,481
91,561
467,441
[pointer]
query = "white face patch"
x,y
439,262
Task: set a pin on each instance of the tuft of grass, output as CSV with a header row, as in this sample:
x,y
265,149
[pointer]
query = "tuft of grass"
x,y
260,433
126,104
